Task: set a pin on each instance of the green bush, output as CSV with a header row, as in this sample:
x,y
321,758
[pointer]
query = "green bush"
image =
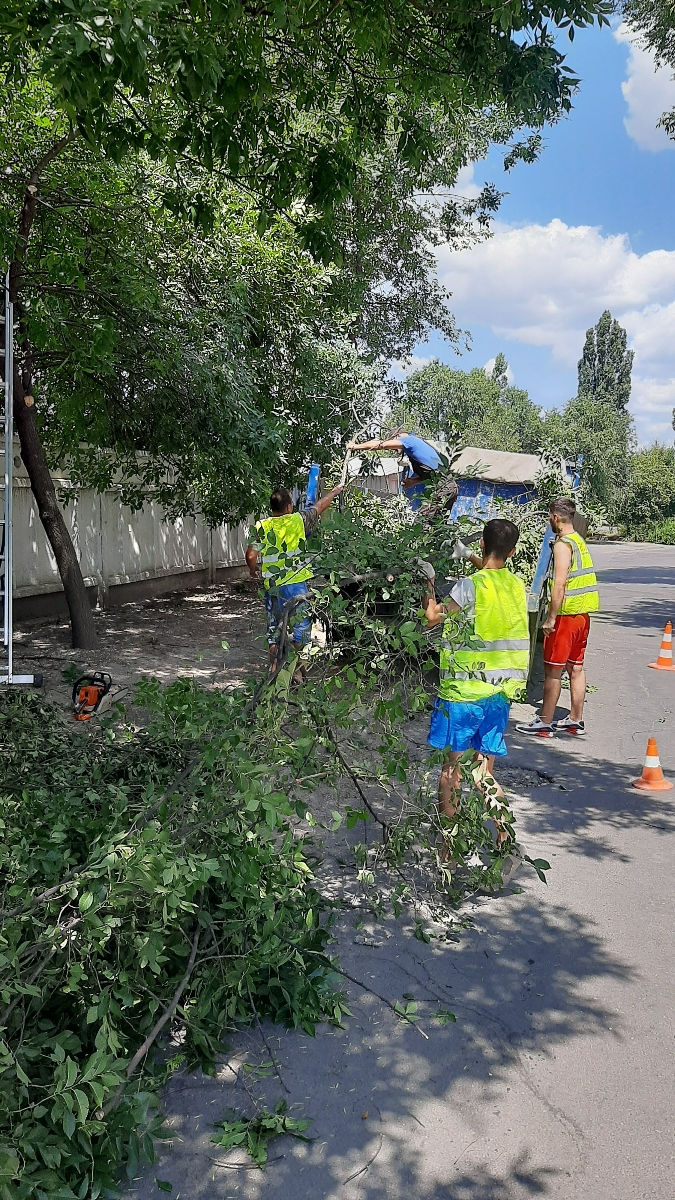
x,y
662,532
648,497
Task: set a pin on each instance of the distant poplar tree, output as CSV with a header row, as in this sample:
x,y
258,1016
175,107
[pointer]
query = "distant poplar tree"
x,y
605,365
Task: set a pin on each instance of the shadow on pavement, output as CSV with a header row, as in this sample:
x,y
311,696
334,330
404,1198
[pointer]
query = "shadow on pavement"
x,y
520,1177
651,576
587,794
648,615
417,1114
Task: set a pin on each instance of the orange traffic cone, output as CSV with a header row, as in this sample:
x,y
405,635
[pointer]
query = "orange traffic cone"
x,y
652,778
665,660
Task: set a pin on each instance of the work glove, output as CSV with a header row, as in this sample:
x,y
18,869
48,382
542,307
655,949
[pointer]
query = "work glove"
x,y
461,551
425,569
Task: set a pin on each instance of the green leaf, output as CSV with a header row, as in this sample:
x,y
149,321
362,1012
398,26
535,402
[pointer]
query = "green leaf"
x,y
444,1016
540,865
82,1104
71,1072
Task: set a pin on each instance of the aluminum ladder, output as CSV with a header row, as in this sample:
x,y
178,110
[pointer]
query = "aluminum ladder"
x,y
7,674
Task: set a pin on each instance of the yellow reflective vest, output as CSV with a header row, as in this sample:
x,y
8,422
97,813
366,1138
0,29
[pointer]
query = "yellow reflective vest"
x,y
501,622
283,544
581,589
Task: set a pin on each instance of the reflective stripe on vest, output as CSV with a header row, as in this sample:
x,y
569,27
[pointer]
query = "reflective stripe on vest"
x,y
581,589
501,622
282,539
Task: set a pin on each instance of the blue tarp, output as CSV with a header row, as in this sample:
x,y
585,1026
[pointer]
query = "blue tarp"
x,y
477,496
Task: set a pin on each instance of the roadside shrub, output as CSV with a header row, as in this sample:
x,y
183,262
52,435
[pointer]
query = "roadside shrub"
x,y
662,532
648,498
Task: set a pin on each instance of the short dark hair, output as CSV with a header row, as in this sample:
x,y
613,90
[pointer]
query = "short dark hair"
x,y
500,537
564,507
280,500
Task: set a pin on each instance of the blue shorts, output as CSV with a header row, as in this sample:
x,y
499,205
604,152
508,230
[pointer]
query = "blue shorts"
x,y
276,601
470,725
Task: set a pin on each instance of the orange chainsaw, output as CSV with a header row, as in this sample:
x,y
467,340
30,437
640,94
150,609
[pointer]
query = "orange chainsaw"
x,y
88,692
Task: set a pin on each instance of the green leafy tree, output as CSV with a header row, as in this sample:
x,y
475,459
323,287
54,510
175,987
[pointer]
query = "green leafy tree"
x,y
599,438
290,95
649,494
604,369
286,103
595,426
477,408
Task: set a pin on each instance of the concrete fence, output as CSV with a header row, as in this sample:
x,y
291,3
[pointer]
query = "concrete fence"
x,y
123,554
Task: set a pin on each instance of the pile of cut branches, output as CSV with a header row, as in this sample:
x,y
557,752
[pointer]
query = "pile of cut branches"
x,y
149,881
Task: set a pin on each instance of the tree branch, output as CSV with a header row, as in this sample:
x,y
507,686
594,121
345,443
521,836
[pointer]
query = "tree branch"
x,y
27,214
158,1026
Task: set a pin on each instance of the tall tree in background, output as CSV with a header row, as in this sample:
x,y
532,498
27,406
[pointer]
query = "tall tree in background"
x,y
475,408
596,425
604,369
500,372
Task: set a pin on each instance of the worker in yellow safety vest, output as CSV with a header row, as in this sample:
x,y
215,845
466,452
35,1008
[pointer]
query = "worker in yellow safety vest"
x,y
574,596
478,684
278,547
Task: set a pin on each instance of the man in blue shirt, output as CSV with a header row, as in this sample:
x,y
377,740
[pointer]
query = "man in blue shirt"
x,y
423,459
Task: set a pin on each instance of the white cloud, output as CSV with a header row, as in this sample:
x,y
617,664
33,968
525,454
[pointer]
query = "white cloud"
x,y
648,90
654,400
402,367
545,285
489,367
465,184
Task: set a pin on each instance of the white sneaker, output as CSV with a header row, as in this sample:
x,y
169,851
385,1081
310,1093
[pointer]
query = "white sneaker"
x,y
538,727
567,725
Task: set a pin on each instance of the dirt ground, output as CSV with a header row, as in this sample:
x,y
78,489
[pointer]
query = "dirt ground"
x,y
180,633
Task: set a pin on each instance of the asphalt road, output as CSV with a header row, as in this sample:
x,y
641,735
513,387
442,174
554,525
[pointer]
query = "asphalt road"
x,y
557,1079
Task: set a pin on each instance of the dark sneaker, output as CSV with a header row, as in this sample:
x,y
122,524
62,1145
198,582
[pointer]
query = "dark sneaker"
x,y
567,725
537,727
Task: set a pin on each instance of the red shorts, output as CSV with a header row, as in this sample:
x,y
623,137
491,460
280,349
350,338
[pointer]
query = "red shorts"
x,y
567,644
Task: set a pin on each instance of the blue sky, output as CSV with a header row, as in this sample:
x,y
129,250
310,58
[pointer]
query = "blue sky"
x,y
589,226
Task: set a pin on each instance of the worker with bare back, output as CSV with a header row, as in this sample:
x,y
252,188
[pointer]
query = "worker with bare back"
x,y
574,596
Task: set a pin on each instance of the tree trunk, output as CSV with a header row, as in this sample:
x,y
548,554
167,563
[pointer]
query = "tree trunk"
x,y
82,625
83,629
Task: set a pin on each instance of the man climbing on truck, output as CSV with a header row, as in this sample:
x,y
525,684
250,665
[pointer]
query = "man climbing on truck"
x,y
285,570
425,462
574,596
477,685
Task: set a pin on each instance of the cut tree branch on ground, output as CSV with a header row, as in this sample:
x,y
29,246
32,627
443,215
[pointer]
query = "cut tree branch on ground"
x,y
355,781
159,1024
261,1031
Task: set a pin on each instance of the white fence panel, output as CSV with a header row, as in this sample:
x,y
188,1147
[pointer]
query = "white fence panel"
x,y
115,545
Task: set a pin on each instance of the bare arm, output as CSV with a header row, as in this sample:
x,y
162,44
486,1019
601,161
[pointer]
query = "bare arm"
x,y
376,444
252,561
562,561
326,501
